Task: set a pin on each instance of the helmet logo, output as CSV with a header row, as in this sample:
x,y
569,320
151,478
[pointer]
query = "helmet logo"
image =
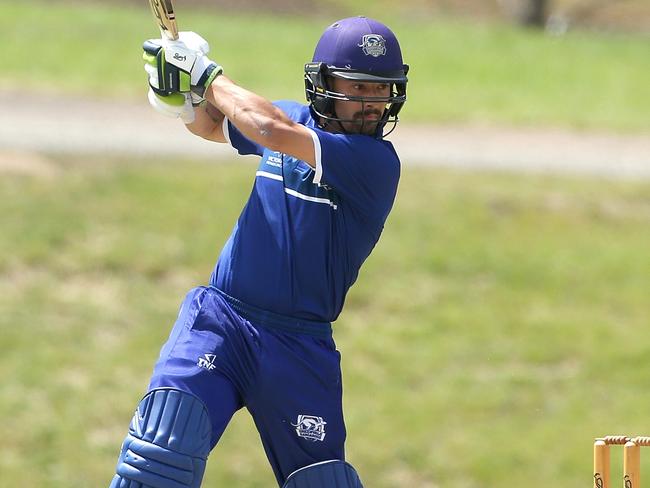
x,y
373,45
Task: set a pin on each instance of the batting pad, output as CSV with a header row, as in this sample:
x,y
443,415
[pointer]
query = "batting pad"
x,y
168,443
327,474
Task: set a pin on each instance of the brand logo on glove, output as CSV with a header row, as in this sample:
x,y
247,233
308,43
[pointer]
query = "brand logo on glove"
x,y
310,427
178,57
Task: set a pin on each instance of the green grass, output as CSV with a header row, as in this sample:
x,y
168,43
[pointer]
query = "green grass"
x,y
461,71
500,324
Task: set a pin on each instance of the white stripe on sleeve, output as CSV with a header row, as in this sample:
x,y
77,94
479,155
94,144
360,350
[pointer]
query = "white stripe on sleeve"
x,y
317,155
271,176
226,131
308,198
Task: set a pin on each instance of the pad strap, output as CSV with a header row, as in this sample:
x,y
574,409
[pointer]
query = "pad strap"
x,y
327,474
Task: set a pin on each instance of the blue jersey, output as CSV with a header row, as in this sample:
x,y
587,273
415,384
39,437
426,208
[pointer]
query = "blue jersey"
x,y
304,233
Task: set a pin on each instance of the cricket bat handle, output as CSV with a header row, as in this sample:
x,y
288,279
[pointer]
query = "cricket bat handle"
x,y
163,12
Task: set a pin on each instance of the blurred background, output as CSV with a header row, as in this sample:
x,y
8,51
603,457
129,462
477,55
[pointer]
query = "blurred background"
x,y
502,321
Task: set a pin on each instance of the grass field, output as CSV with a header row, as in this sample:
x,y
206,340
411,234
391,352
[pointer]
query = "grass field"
x,y
499,326
462,71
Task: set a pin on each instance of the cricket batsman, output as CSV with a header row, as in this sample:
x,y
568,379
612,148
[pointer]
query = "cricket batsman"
x,y
259,334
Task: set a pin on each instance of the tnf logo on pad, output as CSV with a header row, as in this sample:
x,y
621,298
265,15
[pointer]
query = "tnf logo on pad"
x,y
310,427
207,362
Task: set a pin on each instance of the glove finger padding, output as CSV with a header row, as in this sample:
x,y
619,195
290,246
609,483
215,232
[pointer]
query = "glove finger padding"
x,y
152,72
176,105
169,77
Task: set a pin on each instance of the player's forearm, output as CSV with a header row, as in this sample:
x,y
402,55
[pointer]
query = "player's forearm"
x,y
208,123
254,116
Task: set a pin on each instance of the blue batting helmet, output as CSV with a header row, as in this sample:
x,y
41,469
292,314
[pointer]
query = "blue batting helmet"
x,y
356,48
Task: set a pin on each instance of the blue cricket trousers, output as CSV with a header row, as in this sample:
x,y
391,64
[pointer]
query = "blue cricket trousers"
x,y
285,371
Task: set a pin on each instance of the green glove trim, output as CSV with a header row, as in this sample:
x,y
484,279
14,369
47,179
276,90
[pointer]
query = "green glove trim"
x,y
150,59
162,73
175,99
206,80
185,81
218,70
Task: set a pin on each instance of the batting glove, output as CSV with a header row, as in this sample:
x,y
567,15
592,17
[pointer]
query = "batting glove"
x,y
176,105
180,66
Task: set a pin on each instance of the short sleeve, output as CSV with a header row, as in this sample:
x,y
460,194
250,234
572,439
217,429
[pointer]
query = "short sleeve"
x,y
363,170
240,142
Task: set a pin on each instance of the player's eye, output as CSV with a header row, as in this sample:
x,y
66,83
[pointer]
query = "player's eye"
x,y
383,88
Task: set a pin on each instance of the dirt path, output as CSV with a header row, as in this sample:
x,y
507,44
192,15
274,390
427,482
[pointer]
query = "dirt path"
x,y
45,124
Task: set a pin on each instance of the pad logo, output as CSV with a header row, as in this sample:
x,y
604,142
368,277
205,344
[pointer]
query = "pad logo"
x,y
310,427
373,45
207,362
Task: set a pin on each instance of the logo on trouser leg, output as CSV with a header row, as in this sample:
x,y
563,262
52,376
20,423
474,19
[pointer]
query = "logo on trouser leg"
x,y
310,427
207,362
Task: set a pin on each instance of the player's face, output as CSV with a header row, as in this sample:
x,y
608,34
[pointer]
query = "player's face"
x,y
364,115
